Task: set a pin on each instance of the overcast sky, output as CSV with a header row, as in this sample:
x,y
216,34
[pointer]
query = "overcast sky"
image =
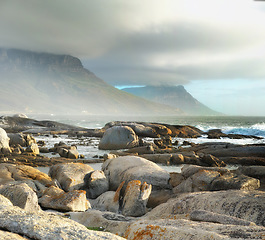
x,y
215,48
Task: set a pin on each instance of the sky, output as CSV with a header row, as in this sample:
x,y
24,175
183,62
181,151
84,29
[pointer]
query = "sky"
x,y
215,48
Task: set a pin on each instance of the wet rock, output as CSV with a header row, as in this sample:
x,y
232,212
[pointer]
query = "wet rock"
x,y
159,158
44,150
70,175
189,170
135,198
206,216
252,171
21,195
45,226
57,199
118,137
212,161
149,149
130,168
95,183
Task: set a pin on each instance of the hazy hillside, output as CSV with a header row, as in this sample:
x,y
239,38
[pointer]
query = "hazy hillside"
x,y
174,96
49,83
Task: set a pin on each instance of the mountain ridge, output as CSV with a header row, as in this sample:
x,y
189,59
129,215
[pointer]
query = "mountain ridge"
x,y
53,83
174,96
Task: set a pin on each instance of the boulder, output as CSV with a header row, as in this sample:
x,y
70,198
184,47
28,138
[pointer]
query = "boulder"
x,y
135,198
95,183
33,148
198,178
11,172
130,168
57,199
107,201
17,138
21,195
158,197
252,171
141,129
247,205
73,154
45,226
4,142
175,179
211,161
159,158
70,175
10,236
118,137
189,170
23,140
68,152
179,229
234,181
107,221
5,202
206,216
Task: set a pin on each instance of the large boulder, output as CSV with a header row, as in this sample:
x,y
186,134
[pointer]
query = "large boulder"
x,y
130,168
179,229
234,181
45,226
198,178
107,201
118,137
57,199
11,172
70,175
21,195
247,205
96,183
23,140
4,142
135,198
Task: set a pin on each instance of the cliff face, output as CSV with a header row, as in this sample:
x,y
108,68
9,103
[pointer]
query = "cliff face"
x,y
50,83
14,59
174,96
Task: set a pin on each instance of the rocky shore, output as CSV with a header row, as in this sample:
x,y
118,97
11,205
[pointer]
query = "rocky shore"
x,y
131,197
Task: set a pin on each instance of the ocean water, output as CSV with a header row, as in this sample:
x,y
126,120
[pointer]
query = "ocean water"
x,y
89,146
228,124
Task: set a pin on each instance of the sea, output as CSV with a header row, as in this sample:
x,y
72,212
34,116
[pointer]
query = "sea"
x,y
247,125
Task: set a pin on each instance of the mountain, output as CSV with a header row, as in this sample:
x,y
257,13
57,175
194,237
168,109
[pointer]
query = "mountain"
x,y
174,96
48,83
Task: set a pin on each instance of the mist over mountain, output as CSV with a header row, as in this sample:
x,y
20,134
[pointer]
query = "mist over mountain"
x,y
48,83
174,96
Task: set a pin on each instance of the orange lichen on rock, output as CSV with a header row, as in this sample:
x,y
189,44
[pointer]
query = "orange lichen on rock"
x,y
117,193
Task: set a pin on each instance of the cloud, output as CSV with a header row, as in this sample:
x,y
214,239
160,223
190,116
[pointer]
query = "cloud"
x,y
144,42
